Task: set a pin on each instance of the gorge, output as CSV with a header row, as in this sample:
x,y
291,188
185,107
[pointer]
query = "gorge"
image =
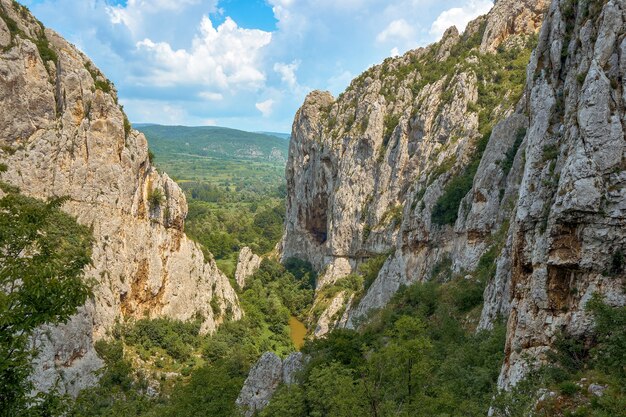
x,y
453,241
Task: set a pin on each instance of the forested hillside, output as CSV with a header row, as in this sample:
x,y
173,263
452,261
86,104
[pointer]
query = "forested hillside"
x,y
234,182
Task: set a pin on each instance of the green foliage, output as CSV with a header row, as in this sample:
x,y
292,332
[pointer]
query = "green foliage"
x,y
155,198
302,271
117,382
176,338
446,208
45,51
549,153
416,357
42,255
172,143
389,125
211,368
507,163
234,183
211,391
392,215
150,156
599,359
127,128
224,229
103,85
370,269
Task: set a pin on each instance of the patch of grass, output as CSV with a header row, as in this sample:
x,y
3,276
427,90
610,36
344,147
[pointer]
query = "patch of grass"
x,y
389,125
155,198
507,162
45,50
549,153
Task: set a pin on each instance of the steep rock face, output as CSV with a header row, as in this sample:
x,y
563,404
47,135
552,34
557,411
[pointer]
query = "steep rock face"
x,y
569,235
366,171
546,194
62,133
265,377
247,264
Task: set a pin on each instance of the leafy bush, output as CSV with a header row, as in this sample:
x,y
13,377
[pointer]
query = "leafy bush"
x,y
103,85
371,268
45,51
128,128
446,208
155,198
389,124
42,255
176,338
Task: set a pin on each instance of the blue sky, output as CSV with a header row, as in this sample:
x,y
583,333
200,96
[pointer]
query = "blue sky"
x,y
242,64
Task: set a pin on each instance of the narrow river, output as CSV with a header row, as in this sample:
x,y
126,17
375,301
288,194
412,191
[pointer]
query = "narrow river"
x,y
298,332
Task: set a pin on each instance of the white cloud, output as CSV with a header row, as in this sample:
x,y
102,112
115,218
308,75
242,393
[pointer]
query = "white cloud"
x,y
228,57
135,13
265,107
395,52
399,29
211,96
288,72
459,16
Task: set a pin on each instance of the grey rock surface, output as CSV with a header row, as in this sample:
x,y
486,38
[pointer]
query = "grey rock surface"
x,y
247,264
366,169
64,135
265,377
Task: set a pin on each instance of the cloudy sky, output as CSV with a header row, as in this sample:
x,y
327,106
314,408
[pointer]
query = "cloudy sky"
x,y
245,64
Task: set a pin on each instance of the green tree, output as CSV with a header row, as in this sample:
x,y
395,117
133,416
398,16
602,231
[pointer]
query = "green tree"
x,y
333,390
42,255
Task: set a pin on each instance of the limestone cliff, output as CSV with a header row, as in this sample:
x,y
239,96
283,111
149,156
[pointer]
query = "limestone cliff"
x,y
366,170
462,150
63,133
568,232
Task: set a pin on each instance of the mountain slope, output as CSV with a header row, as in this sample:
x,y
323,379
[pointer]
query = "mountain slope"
x,y
64,134
217,142
447,160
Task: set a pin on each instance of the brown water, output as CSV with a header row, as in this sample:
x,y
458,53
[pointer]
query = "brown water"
x,y
298,332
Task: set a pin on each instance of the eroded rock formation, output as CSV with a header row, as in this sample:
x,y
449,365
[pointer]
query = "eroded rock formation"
x,y
265,377
62,133
446,153
247,264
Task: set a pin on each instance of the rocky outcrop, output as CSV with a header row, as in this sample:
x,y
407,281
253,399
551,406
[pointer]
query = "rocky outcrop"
x,y
265,377
512,17
569,230
419,158
367,170
62,133
247,264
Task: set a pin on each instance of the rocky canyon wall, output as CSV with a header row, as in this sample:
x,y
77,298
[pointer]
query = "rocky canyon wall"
x,y
63,133
504,143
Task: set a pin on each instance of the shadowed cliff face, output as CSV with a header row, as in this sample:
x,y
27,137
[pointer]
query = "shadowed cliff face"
x,y
462,151
62,133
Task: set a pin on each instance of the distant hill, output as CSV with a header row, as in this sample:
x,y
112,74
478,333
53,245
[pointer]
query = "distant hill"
x,y
216,142
285,136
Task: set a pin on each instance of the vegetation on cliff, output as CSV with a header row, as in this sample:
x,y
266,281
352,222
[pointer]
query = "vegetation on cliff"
x,y
42,255
164,367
